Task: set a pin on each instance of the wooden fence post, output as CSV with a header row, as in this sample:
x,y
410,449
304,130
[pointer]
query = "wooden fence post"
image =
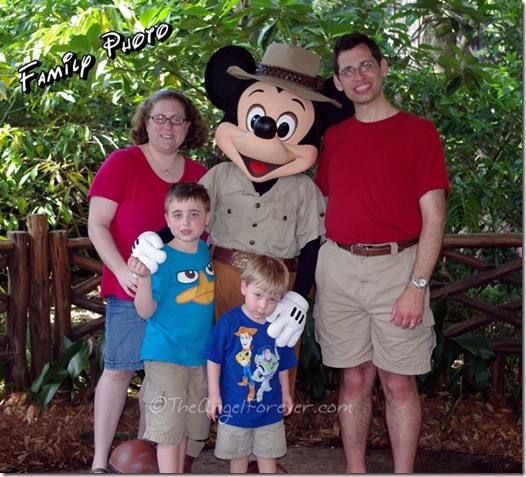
x,y
16,370
61,273
39,298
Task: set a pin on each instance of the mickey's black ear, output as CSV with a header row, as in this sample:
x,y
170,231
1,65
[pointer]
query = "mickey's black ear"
x,y
221,88
328,114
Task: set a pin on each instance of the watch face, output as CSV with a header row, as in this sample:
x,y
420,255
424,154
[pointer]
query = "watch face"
x,y
419,282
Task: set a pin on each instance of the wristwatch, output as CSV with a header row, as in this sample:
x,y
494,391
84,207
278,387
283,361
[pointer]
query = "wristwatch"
x,y
419,282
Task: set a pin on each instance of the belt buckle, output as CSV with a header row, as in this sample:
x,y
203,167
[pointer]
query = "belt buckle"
x,y
360,246
240,259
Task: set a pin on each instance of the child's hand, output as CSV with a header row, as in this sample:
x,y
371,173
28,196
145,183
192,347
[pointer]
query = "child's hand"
x,y
288,404
214,406
137,267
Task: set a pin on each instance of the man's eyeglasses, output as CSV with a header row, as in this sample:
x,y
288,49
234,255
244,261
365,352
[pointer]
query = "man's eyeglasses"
x,y
363,67
161,119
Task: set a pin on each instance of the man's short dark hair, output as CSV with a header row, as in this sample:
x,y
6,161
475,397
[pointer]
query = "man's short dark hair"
x,y
350,41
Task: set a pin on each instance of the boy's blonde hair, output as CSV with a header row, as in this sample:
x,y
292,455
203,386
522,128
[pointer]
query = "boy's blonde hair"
x,y
267,273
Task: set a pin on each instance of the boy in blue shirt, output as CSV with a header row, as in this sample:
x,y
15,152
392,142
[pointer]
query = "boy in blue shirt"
x,y
248,378
178,302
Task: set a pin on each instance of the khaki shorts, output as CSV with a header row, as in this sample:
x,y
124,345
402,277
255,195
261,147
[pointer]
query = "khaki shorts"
x,y
234,442
175,398
354,299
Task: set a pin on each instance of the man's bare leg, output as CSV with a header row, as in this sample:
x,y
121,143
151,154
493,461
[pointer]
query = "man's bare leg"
x,y
403,415
355,413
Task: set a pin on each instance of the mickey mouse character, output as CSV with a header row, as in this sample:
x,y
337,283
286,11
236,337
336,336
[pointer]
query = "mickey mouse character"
x,y
261,201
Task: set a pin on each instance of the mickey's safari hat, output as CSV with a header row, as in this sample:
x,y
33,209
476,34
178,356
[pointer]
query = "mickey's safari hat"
x,y
289,67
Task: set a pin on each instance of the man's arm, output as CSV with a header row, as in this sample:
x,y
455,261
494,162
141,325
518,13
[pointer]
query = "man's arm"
x,y
409,308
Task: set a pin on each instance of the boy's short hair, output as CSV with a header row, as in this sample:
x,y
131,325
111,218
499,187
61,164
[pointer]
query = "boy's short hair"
x,y
182,191
268,273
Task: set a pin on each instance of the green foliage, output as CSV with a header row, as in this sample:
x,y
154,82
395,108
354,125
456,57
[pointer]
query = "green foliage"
x,y
311,377
515,401
70,366
462,360
472,91
458,63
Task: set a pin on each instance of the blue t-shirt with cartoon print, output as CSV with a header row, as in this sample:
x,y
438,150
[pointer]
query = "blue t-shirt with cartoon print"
x,y
250,365
183,288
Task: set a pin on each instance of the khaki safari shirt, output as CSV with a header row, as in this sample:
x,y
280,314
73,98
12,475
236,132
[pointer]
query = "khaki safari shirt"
x,y
279,223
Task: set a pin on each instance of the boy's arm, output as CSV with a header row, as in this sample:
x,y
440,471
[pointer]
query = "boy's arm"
x,y
285,392
144,302
214,406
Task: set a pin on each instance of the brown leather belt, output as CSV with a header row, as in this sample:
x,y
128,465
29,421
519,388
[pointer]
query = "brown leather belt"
x,y
238,258
366,250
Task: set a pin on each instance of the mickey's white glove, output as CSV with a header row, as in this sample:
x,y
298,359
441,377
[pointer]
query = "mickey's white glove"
x,y
147,249
288,319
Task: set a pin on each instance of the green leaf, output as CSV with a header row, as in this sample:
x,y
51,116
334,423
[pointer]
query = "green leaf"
x,y
476,345
80,359
80,44
56,371
48,391
454,85
449,61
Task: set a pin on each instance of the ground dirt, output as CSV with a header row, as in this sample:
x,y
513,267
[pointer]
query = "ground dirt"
x,y
467,435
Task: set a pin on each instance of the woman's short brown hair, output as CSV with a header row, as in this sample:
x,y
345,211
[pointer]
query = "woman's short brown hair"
x,y
197,132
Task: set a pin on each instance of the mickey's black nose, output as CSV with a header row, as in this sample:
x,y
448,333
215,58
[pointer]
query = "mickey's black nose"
x,y
265,127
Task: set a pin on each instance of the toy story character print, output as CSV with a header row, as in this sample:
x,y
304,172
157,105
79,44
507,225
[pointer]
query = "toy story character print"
x,y
267,363
244,358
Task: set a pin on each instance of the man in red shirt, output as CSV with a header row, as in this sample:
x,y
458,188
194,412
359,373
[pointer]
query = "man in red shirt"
x,y
385,179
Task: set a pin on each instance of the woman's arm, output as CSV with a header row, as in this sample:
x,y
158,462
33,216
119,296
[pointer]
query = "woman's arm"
x,y
101,214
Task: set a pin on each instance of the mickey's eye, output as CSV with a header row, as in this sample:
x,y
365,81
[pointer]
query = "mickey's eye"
x,y
253,115
286,124
188,276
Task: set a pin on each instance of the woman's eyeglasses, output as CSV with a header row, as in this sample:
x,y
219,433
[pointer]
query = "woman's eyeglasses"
x,y
161,119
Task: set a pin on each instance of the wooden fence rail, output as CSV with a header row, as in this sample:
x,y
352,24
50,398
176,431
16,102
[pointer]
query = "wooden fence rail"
x,y
37,259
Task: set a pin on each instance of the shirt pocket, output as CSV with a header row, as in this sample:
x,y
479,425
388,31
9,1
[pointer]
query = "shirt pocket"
x,y
229,220
285,221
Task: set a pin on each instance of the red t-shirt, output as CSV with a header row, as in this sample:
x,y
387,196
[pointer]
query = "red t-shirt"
x,y
374,175
126,177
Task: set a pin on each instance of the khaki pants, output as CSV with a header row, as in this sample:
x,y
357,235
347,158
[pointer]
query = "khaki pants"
x,y
354,299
